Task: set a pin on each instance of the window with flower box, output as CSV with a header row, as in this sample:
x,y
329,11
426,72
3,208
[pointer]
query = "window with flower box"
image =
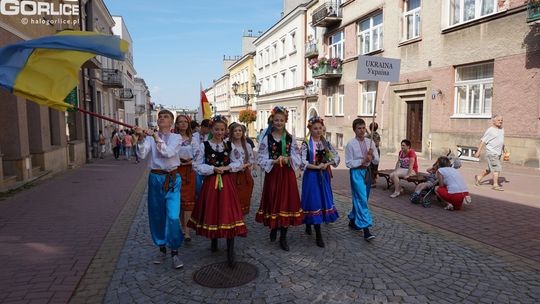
x,y
335,45
370,34
474,90
411,19
462,11
368,98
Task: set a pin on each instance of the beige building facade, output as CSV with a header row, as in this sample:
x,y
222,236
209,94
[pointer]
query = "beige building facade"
x,y
460,65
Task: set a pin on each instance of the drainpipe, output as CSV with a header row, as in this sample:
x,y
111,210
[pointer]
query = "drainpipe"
x,y
305,75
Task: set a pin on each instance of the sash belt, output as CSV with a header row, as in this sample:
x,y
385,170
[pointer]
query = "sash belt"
x,y
171,177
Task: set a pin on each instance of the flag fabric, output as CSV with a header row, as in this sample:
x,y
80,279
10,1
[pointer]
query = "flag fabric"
x,y
205,106
45,70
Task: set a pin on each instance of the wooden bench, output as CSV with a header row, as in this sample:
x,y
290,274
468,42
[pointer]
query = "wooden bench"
x,y
416,179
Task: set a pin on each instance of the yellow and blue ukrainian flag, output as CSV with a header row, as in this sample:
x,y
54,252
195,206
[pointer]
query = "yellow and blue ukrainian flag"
x,y
45,70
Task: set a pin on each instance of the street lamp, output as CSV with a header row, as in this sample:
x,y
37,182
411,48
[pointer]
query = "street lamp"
x,y
247,96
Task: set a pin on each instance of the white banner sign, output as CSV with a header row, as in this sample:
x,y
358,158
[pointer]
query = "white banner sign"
x,y
378,68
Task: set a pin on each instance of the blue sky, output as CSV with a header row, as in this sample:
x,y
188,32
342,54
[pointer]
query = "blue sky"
x,y
179,43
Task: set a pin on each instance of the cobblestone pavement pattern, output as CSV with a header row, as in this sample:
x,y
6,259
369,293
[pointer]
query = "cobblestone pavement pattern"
x,y
409,262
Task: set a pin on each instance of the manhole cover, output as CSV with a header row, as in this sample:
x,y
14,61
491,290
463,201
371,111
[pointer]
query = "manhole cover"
x,y
220,275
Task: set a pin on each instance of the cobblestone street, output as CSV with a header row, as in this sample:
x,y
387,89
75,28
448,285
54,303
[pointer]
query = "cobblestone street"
x,y
408,262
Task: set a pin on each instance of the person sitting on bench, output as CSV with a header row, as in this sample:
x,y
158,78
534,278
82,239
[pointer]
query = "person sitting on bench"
x,y
406,166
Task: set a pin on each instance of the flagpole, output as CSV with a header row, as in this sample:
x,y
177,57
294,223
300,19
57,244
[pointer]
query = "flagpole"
x,y
104,117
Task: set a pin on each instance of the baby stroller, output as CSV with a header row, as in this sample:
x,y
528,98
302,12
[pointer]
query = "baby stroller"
x,y
426,194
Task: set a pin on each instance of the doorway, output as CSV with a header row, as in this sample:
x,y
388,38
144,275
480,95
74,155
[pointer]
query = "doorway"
x,y
414,123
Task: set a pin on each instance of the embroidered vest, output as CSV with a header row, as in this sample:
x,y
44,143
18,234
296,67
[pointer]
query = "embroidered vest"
x,y
217,159
274,147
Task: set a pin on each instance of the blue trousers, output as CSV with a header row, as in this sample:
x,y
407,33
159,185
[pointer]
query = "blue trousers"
x,y
164,211
360,194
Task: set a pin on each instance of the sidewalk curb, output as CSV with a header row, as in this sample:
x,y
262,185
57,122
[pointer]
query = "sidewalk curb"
x,y
475,244
95,281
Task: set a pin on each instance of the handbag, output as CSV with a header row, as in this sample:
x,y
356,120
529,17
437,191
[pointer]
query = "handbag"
x,y
506,155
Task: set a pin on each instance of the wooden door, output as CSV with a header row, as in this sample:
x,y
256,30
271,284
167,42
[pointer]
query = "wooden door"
x,y
414,124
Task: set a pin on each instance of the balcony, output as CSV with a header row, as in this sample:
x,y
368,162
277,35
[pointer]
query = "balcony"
x,y
326,72
125,94
311,89
311,50
111,78
326,15
533,11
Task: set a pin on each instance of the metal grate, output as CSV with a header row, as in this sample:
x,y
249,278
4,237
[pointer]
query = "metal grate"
x,y
220,275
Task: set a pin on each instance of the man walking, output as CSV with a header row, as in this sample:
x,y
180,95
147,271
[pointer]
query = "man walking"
x,y
493,140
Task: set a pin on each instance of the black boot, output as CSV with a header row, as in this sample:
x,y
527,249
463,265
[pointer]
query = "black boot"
x,y
308,229
273,235
283,239
318,236
213,245
230,252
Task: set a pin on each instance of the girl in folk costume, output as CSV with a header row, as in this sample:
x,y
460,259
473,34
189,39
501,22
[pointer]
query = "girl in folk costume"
x,y
360,153
217,213
183,128
279,155
317,198
243,179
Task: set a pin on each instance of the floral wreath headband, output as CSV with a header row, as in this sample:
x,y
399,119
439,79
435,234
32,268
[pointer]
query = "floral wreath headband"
x,y
280,110
218,118
314,120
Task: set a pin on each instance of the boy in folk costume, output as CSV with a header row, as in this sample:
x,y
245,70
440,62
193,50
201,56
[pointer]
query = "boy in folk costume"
x,y
360,153
217,213
242,150
279,155
317,198
182,127
164,185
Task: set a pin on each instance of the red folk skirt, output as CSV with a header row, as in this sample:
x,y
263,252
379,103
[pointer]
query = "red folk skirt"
x,y
217,213
244,187
280,201
187,192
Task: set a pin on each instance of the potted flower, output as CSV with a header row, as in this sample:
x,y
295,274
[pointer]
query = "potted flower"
x,y
313,63
247,116
335,63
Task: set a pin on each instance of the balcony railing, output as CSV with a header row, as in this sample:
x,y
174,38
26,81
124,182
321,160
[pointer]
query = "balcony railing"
x,y
533,11
326,71
311,50
311,90
125,94
111,78
327,14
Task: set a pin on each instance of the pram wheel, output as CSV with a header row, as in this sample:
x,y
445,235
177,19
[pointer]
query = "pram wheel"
x,y
426,203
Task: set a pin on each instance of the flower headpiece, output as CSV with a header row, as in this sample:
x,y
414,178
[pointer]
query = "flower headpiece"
x,y
218,118
314,120
280,110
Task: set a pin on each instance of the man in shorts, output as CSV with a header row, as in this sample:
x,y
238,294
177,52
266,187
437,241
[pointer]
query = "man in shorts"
x,y
493,140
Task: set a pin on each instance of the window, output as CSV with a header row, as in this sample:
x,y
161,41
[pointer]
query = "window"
x,y
340,100
370,34
367,100
282,49
339,140
328,137
474,90
292,79
293,42
291,122
267,56
274,52
274,83
465,10
283,80
330,101
411,19
335,45
467,152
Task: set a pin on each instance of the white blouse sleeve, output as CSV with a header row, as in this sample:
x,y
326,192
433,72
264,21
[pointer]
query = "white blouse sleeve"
x,y
296,160
144,147
303,155
263,158
199,165
335,155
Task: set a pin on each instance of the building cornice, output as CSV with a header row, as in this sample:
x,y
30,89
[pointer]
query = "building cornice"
x,y
242,59
298,11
